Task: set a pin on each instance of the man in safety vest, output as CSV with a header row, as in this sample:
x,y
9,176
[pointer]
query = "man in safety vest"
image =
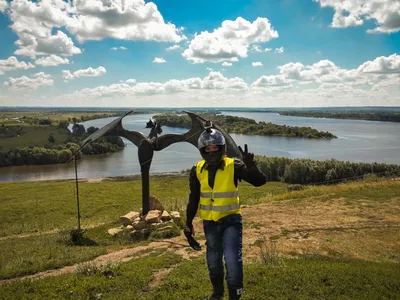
x,y
214,191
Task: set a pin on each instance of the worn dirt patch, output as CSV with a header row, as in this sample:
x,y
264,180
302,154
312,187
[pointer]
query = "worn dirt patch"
x,y
158,277
93,180
365,230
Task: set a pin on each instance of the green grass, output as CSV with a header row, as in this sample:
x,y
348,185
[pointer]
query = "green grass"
x,y
27,207
124,281
380,191
34,135
303,278
54,116
41,206
34,254
319,278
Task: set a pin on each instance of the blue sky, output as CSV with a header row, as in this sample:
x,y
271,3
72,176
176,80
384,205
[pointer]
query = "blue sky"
x,y
254,53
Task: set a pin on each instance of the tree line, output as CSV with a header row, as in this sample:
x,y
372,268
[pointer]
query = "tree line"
x,y
241,125
60,153
370,116
49,121
307,171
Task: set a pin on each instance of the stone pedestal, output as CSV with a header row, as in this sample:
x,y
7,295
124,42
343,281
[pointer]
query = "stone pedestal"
x,y
157,222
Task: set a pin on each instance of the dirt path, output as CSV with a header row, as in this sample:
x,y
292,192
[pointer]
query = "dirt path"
x,y
54,231
176,245
364,229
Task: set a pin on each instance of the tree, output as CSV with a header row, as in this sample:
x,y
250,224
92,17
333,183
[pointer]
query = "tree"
x,y
78,129
51,139
92,130
63,124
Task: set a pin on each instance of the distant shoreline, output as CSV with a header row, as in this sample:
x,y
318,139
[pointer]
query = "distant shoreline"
x,y
182,173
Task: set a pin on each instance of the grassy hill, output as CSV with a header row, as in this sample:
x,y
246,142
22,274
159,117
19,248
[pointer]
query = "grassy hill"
x,y
327,242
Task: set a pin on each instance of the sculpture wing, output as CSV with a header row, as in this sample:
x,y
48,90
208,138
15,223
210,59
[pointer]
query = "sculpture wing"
x,y
115,129
193,135
104,130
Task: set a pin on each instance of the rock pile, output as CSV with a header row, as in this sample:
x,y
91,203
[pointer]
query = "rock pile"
x,y
139,226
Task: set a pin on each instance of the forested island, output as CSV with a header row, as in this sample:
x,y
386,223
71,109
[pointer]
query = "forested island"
x,y
240,125
44,138
369,116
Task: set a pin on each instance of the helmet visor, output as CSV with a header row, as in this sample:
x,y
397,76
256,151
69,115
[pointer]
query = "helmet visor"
x,y
214,137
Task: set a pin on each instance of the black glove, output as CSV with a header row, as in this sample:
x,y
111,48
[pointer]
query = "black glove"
x,y
192,242
247,157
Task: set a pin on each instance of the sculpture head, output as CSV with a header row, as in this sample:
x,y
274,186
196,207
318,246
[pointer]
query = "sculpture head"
x,y
155,128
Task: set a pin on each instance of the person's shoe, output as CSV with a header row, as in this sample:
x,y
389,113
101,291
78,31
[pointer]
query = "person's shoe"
x,y
235,294
215,297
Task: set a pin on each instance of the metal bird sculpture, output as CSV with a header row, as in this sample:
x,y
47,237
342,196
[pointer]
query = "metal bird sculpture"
x,y
153,142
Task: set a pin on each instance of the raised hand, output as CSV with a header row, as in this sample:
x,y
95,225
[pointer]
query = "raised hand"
x,y
248,157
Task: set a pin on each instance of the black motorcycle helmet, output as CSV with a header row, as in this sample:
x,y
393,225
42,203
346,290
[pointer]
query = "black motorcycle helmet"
x,y
212,137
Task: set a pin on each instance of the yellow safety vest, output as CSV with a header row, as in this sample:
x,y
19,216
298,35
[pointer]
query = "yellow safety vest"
x,y
223,199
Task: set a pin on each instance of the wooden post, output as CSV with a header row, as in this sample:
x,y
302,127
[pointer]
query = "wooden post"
x,y
77,195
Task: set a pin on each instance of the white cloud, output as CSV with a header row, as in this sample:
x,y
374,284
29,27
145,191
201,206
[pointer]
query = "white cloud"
x,y
29,83
382,65
226,64
131,81
279,50
12,63
59,44
320,84
89,72
271,80
159,60
124,20
3,5
385,13
119,48
267,49
35,21
173,47
322,71
229,42
257,64
391,82
326,73
51,61
215,80
256,48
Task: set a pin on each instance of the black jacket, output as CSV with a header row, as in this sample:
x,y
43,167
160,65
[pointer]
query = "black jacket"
x,y
250,174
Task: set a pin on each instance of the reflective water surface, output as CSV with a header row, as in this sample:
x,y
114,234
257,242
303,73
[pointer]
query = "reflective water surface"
x,y
358,141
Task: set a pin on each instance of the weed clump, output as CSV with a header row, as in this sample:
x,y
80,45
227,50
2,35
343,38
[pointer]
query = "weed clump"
x,y
109,270
76,237
269,255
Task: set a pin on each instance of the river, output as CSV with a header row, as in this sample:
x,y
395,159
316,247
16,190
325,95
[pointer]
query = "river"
x,y
358,141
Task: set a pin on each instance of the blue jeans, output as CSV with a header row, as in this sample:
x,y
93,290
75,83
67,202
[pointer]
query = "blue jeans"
x,y
224,239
